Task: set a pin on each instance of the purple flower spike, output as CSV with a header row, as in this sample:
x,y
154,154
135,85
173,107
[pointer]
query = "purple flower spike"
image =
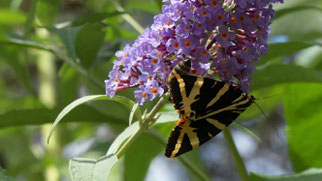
x,y
221,37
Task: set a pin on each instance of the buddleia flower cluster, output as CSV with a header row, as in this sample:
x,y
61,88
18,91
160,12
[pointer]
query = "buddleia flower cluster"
x,y
223,38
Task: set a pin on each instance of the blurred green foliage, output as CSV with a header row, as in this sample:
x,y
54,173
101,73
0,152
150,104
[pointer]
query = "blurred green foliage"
x,y
82,36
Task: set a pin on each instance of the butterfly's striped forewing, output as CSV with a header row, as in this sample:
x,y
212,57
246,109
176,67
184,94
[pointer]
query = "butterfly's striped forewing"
x,y
205,108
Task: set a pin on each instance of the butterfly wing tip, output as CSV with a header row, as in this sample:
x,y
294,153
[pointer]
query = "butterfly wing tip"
x,y
169,155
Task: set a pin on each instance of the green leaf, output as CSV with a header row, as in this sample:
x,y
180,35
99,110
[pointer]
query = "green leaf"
x,y
281,73
41,116
302,30
92,170
29,102
94,17
4,176
247,131
282,12
142,152
121,138
19,41
88,42
86,99
276,50
68,37
168,116
47,11
302,105
68,84
307,175
135,111
13,58
10,17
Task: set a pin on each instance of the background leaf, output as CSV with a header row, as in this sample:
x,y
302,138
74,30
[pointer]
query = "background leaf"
x,y
283,49
307,175
136,165
47,11
88,42
11,17
40,116
4,176
280,73
303,114
68,36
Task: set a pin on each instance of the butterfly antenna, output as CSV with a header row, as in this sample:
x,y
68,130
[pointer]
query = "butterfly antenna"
x,y
266,115
261,98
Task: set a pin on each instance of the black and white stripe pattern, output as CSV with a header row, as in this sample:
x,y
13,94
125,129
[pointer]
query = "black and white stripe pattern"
x,y
205,107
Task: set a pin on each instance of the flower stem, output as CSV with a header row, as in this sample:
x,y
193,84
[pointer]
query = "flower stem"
x,y
187,163
129,18
48,96
240,165
146,122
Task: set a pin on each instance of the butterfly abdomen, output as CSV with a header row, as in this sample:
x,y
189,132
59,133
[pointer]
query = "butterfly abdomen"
x,y
181,68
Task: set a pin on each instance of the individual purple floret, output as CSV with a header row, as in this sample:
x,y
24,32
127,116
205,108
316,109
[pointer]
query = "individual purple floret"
x,y
223,38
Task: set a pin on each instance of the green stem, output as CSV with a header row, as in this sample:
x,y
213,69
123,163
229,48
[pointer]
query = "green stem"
x,y
240,165
187,163
144,126
48,96
30,17
129,18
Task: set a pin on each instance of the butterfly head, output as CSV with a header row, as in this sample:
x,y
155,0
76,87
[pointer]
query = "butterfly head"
x,y
252,98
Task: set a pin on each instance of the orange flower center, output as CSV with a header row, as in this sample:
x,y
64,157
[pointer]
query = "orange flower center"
x,y
233,19
224,35
154,90
154,61
204,13
220,17
199,25
214,3
204,52
176,44
187,43
242,18
116,79
143,94
194,71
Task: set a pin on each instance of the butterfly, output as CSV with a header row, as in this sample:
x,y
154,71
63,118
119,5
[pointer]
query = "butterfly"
x,y
205,106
